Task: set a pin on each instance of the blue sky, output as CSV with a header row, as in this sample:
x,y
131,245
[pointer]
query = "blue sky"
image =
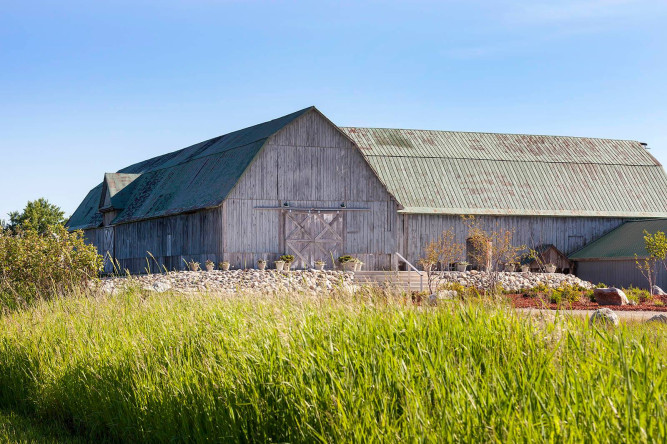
x,y
90,87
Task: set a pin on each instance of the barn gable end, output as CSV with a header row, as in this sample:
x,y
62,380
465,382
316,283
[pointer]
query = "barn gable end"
x,y
309,165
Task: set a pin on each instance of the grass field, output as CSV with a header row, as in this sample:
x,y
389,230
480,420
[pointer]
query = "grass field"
x,y
161,368
19,429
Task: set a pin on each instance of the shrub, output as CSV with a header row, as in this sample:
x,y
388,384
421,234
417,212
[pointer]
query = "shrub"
x,y
571,293
34,265
589,294
556,296
637,294
288,258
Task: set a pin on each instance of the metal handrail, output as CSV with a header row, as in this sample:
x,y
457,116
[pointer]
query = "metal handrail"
x,y
420,273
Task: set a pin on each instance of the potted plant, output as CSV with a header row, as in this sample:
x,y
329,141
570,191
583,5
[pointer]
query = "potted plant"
x,y
261,264
509,267
551,268
209,264
358,264
280,264
288,259
224,265
525,268
461,266
319,265
193,266
347,262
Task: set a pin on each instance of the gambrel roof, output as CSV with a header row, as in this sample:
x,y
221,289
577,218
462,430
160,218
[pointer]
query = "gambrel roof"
x,y
444,172
196,177
434,172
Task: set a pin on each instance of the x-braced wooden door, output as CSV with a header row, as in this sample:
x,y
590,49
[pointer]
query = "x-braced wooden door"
x,y
108,248
313,236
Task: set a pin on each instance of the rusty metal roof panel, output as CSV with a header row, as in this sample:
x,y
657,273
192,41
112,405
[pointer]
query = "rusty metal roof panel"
x,y
466,186
507,147
621,243
448,172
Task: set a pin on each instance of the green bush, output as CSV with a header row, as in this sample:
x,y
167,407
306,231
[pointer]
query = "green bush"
x,y
288,258
34,265
556,296
637,294
346,258
589,294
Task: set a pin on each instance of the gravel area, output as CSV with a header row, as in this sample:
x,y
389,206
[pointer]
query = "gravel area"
x,y
232,281
514,281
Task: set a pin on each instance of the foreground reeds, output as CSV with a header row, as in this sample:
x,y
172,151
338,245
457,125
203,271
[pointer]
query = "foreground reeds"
x,y
263,368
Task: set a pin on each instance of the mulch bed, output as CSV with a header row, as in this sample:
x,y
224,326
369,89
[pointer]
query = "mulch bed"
x,y
525,301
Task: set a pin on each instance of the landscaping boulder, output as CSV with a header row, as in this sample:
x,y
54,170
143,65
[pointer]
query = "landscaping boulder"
x,y
610,296
658,318
604,316
657,291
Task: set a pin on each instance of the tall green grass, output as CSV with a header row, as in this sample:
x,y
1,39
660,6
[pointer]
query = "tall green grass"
x,y
140,368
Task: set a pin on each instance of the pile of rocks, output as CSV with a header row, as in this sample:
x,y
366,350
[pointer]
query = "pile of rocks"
x,y
232,281
513,281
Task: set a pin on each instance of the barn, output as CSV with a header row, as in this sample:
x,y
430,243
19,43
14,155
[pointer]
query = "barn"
x,y
301,185
612,259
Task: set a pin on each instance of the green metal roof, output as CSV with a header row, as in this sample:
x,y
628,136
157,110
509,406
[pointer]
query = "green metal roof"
x,y
443,172
196,177
87,215
438,172
623,242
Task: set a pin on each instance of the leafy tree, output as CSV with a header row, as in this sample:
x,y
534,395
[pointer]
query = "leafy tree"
x,y
491,249
37,215
656,247
443,250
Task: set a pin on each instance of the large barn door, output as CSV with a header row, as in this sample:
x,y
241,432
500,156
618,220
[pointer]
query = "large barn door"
x,y
107,249
313,236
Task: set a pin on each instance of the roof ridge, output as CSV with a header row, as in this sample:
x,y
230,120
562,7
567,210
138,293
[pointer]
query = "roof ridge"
x,y
509,160
216,138
485,132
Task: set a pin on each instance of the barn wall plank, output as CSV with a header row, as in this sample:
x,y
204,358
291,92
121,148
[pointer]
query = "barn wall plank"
x,y
566,233
309,164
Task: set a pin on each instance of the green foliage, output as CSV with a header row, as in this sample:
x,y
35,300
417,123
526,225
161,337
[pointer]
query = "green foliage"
x,y
589,294
16,428
346,258
637,294
288,258
34,266
263,369
556,296
601,285
656,245
537,290
38,215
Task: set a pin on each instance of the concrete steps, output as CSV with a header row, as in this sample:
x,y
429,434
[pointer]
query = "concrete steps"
x,y
406,280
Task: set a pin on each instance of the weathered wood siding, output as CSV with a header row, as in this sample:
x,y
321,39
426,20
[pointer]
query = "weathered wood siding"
x,y
171,241
309,164
95,236
567,234
619,273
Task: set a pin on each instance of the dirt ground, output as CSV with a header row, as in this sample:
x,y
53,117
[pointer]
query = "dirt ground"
x,y
658,304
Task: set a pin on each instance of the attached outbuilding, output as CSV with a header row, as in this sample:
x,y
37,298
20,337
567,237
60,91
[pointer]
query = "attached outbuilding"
x,y
612,259
301,185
